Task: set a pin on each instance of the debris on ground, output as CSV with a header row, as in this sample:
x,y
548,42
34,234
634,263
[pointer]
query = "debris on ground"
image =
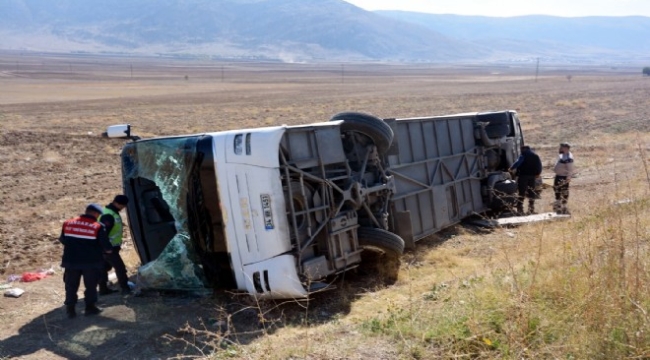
x,y
517,220
14,293
35,276
32,276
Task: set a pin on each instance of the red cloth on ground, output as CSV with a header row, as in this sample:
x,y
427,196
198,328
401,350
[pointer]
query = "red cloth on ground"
x,y
32,276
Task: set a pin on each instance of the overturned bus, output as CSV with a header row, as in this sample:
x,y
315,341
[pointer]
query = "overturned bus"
x,y
276,211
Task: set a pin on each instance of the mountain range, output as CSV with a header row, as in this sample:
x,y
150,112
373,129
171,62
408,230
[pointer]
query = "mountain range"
x,y
311,30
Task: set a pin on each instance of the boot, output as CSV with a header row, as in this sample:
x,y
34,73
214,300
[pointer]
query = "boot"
x,y
105,290
520,209
557,207
531,207
126,292
70,311
92,310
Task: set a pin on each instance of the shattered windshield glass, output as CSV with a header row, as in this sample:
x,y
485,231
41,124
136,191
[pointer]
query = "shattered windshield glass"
x,y
157,173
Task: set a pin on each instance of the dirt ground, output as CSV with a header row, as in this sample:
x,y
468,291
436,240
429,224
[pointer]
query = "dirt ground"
x,y
54,161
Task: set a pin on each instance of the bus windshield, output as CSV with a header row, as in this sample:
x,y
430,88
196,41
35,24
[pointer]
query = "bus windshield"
x,y
175,218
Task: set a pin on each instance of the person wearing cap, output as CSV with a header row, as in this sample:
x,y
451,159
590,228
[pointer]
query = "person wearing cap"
x,y
84,242
528,168
564,171
112,220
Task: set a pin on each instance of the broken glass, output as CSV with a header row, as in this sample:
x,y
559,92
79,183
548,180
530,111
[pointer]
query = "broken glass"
x,y
168,163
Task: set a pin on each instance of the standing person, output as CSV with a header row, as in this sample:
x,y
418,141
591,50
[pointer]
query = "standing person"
x,y
528,168
84,242
563,173
112,220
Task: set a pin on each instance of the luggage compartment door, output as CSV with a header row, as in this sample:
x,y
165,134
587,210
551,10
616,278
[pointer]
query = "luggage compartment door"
x,y
437,169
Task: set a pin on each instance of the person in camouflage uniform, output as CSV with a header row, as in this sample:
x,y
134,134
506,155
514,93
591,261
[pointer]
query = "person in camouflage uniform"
x,y
564,171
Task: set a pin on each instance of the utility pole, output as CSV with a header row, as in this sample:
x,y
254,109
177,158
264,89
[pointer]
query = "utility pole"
x,y
537,70
131,71
222,77
342,73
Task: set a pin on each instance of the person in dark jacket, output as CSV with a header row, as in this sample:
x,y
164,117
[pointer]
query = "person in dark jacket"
x,y
84,242
112,220
528,168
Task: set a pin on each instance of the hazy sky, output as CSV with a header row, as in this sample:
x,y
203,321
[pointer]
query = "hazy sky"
x,y
513,7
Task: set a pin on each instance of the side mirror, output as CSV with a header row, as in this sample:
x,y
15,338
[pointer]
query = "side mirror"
x,y
119,131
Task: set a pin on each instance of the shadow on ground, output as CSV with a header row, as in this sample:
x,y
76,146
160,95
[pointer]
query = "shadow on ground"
x,y
128,328
164,325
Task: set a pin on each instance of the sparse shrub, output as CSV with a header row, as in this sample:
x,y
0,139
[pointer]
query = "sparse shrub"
x,y
646,71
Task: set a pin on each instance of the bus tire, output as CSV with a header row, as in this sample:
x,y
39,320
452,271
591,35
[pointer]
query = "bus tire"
x,y
371,126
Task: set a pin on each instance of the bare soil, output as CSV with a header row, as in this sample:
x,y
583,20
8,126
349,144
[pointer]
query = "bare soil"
x,y
54,161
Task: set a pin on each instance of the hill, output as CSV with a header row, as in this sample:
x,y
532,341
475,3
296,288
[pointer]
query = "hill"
x,y
313,30
557,38
266,29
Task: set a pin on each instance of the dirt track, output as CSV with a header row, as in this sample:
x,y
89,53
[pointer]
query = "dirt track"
x,y
54,161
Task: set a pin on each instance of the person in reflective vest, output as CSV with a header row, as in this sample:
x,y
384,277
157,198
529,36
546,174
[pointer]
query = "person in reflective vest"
x,y
112,220
84,242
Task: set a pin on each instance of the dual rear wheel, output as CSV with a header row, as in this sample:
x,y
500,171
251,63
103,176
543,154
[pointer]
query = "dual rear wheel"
x,y
382,249
382,252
